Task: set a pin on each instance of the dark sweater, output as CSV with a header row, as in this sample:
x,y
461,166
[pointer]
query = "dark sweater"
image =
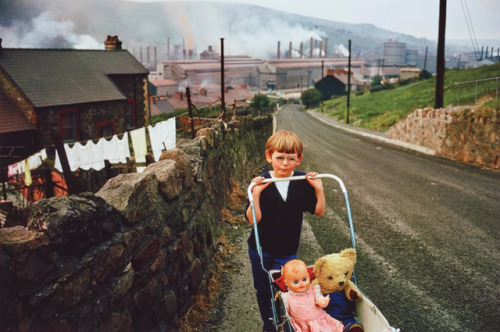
x,y
281,223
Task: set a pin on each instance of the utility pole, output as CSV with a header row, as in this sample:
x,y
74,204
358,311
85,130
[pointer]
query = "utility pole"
x,y
190,112
222,81
348,84
438,103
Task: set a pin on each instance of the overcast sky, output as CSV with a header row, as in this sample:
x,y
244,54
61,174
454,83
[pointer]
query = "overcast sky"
x,y
418,18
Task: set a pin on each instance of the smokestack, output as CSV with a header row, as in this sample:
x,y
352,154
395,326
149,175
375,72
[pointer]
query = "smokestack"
x,y
320,49
140,49
156,59
168,48
326,47
278,53
184,54
301,49
311,49
290,51
190,54
147,55
112,43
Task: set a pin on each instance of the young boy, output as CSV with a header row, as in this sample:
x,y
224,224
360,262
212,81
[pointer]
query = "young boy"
x,y
279,209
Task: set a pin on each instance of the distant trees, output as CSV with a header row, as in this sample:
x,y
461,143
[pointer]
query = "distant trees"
x,y
259,104
310,97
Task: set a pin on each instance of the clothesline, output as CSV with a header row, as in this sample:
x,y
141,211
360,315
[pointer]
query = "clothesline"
x,y
87,154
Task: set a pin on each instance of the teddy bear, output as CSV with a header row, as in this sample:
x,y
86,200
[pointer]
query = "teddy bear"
x,y
333,275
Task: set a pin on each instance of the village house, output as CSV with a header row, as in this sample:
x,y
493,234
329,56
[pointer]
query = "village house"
x,y
78,94
335,84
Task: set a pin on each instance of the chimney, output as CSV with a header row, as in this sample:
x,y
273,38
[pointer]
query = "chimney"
x,y
290,51
326,47
278,54
301,49
112,43
311,49
184,54
156,58
210,48
320,49
190,54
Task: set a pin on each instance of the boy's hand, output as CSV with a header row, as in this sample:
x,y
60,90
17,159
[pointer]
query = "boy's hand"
x,y
316,183
257,189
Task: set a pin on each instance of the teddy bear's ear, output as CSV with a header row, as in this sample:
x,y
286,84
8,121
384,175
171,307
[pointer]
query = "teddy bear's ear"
x,y
318,265
349,253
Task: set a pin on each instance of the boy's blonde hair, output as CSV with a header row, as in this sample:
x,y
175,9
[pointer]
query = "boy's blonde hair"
x,y
284,141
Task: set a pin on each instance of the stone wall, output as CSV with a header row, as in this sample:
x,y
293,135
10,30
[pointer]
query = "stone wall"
x,y
456,133
133,256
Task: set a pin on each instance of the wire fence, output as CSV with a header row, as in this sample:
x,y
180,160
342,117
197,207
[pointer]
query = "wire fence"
x,y
471,90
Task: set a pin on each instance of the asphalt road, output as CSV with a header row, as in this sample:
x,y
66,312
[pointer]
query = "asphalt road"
x,y
427,231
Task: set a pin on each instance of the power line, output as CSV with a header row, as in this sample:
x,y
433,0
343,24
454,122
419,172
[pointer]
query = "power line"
x,y
470,27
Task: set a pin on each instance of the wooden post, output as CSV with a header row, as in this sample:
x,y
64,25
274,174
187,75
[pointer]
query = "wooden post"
x,y
348,84
440,63
222,80
74,186
190,112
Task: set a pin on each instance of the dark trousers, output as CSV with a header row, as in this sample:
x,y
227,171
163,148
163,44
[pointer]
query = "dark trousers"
x,y
261,282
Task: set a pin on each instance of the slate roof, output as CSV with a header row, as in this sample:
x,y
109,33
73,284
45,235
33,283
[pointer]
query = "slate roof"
x,y
11,119
54,77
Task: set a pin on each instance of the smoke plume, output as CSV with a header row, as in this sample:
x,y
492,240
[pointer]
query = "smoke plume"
x,y
247,30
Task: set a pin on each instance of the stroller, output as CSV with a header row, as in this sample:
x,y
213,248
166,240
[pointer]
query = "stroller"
x,y
367,313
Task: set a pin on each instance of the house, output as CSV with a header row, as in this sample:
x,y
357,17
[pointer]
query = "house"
x,y
409,73
335,83
78,94
206,96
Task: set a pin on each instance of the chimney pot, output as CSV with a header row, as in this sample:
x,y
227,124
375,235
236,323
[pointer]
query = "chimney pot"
x,y
112,43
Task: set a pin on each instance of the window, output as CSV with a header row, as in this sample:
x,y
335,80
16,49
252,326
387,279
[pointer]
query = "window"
x,y
106,128
68,125
130,115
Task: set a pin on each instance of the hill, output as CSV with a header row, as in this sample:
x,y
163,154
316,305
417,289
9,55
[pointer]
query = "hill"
x,y
380,110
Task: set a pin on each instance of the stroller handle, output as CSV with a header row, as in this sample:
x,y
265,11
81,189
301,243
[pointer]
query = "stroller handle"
x,y
294,178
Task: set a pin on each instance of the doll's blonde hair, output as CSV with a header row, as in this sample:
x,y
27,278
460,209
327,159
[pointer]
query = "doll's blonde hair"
x,y
284,141
294,266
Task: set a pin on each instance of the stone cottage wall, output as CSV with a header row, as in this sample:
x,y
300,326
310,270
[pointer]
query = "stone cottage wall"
x,y
133,256
460,134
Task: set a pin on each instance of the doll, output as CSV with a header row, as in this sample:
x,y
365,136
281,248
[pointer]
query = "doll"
x,y
302,302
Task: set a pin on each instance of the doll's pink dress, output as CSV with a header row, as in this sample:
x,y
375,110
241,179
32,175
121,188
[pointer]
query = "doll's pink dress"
x,y
307,316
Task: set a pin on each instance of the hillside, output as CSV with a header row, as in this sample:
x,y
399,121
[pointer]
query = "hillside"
x,y
380,110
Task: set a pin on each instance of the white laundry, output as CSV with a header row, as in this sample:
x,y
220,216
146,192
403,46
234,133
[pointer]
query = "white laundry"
x,y
162,136
34,161
140,147
90,155
116,150
81,156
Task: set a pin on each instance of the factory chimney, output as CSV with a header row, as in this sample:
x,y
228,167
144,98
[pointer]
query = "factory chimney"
x,y
278,53
290,51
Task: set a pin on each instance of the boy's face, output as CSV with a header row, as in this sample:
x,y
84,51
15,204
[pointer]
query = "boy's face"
x,y
283,163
